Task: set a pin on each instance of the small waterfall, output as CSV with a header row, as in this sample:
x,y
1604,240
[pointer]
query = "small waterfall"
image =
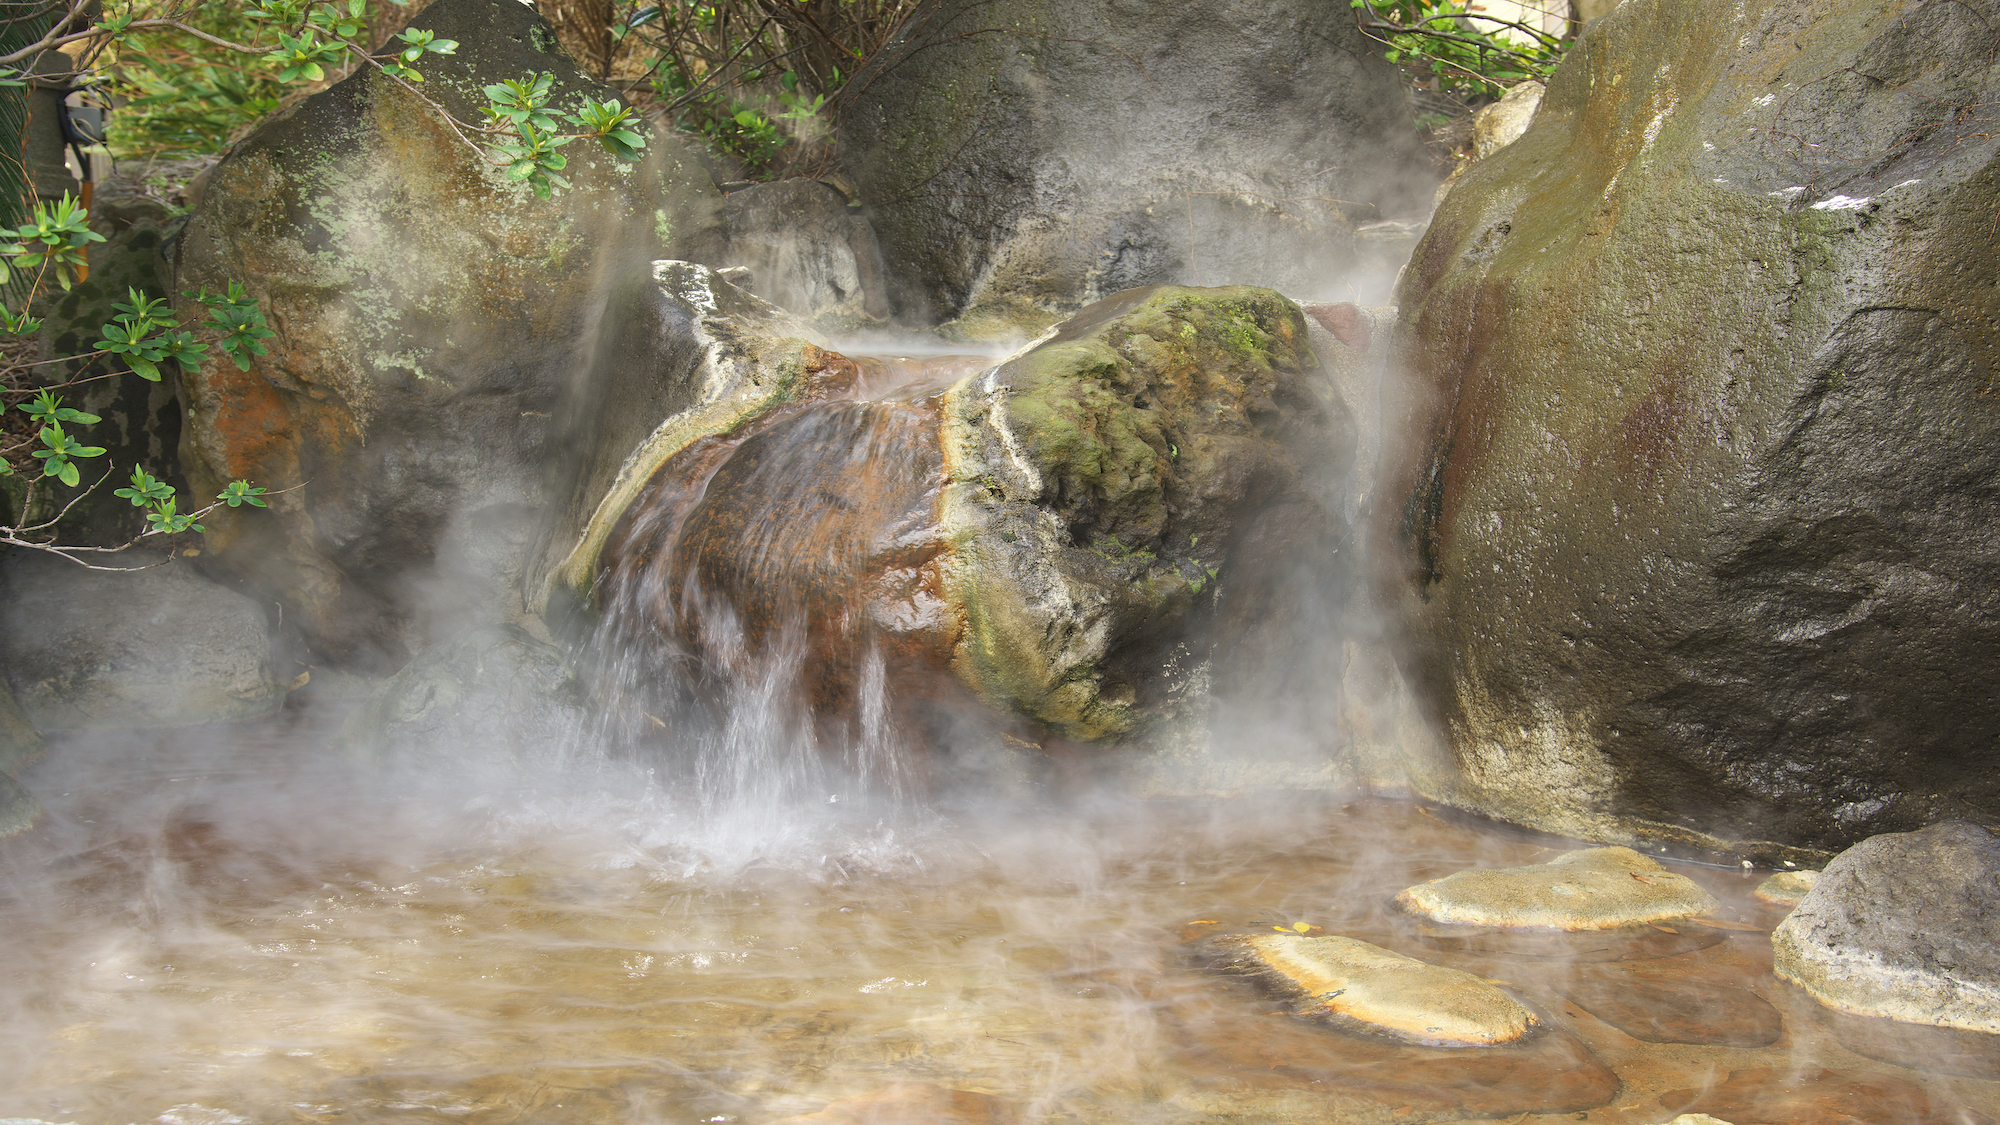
x,y
769,628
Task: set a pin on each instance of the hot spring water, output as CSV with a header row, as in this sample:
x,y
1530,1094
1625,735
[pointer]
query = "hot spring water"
x,y
746,896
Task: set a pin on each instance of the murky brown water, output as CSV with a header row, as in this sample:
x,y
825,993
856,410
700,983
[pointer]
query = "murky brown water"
x,y
230,925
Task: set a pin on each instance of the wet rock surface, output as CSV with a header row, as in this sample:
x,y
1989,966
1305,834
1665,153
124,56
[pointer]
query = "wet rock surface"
x,y
430,313
1354,984
685,358
1700,517
1901,926
1708,1014
808,252
1066,537
1251,1066
493,693
1592,889
156,647
1219,150
1786,888
1779,1094
1143,471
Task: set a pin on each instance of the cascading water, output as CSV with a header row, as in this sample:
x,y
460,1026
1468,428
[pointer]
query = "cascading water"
x,y
768,589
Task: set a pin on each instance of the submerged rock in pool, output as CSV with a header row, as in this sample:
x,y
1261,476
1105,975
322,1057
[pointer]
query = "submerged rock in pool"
x,y
912,1104
1669,1011
1901,926
1808,1093
1352,983
1592,889
1786,888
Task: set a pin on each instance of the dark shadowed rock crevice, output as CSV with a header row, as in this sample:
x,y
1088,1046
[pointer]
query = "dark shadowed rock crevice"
x,y
1701,525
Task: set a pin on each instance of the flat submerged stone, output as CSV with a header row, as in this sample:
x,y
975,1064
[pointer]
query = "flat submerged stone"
x,y
1351,982
1786,888
1593,889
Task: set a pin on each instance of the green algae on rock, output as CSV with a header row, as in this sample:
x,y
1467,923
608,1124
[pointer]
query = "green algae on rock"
x,y
1351,983
1592,889
1098,483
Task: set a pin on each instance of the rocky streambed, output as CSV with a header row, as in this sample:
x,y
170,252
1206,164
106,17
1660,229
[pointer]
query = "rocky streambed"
x,y
234,926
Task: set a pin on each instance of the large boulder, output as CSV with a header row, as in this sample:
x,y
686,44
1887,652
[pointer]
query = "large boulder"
x,y
155,647
683,356
1701,516
1098,538
1901,926
430,315
1023,159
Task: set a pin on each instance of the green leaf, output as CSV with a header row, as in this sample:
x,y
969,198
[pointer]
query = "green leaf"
x,y
144,489
239,492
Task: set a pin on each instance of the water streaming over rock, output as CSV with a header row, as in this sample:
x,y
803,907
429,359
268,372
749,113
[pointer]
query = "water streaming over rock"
x,y
773,598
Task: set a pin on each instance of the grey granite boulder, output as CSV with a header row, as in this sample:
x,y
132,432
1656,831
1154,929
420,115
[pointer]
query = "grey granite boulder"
x,y
156,647
807,251
1022,159
20,743
1902,925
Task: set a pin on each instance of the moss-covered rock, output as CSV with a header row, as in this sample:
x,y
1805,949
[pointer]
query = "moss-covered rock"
x,y
1100,487
430,315
1703,512
20,743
